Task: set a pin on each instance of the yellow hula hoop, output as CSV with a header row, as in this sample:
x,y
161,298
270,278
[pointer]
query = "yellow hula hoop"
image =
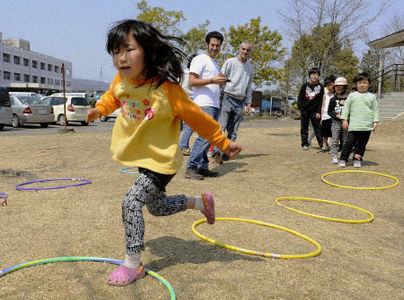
x,y
252,252
322,217
358,187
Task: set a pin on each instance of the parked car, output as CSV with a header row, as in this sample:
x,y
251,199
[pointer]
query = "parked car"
x,y
76,107
30,109
6,113
113,115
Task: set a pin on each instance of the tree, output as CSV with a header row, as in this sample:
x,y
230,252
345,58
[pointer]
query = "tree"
x,y
267,53
195,37
324,49
166,22
308,20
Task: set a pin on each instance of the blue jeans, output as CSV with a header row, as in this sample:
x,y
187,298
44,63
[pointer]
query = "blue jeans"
x,y
199,154
186,135
231,114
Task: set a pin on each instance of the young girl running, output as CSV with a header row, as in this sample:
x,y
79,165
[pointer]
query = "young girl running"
x,y
146,132
335,109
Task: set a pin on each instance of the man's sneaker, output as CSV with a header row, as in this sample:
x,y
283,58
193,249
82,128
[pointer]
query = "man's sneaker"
x,y
207,173
334,160
186,151
357,163
192,173
325,149
342,163
305,147
209,211
217,158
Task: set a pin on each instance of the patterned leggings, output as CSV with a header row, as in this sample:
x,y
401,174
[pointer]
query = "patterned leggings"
x,y
148,189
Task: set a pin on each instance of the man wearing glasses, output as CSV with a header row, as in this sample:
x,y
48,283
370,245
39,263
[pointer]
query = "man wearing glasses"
x,y
236,93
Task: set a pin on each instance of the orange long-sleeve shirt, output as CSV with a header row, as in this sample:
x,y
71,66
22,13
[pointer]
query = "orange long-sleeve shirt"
x,y
147,130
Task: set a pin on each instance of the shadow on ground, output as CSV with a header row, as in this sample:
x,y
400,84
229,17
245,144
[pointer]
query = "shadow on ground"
x,y
176,251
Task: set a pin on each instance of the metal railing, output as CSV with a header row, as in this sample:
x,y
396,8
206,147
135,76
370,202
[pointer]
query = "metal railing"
x,y
390,79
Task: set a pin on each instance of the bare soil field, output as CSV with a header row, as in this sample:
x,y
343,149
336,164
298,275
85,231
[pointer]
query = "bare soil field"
x,y
358,261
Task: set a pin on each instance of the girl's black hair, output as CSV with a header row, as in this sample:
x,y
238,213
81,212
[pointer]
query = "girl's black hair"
x,y
329,79
161,58
314,70
362,76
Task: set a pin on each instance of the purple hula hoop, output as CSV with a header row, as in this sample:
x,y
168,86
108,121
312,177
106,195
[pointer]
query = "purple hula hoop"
x,y
3,195
84,181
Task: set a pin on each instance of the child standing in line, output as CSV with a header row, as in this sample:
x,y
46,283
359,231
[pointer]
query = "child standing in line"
x,y
325,117
335,109
147,130
362,110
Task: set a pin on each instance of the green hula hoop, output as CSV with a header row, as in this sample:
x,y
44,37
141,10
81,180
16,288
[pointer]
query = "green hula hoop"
x,y
85,258
256,253
358,187
322,217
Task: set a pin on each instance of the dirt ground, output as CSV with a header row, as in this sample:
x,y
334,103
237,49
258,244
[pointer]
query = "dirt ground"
x,y
358,261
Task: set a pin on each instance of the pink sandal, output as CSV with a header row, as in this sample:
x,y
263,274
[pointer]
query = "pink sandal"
x,y
209,204
124,275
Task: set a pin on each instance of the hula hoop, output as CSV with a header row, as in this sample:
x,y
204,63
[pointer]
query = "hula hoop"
x,y
84,258
358,187
252,252
18,186
123,170
3,196
322,217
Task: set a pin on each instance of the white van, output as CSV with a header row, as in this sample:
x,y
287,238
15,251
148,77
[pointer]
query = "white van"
x,y
29,94
6,113
76,107
85,95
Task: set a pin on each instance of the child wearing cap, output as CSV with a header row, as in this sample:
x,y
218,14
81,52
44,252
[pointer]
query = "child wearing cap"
x,y
335,109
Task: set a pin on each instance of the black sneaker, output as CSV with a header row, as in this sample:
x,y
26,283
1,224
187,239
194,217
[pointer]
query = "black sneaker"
x,y
207,173
192,173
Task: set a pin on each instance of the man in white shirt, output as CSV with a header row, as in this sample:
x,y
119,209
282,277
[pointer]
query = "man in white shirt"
x,y
206,80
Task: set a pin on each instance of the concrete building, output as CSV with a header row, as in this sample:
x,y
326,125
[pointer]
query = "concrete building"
x,y
23,69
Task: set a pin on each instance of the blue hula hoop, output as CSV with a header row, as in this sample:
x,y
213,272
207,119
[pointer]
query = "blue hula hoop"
x,y
85,258
3,195
84,181
123,170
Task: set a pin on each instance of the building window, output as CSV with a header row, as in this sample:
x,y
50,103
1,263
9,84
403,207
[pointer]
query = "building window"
x,y
35,64
6,57
6,75
57,82
50,67
17,76
43,66
26,62
17,60
26,78
57,69
43,80
35,79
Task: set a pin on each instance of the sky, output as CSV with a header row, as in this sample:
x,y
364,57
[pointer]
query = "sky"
x,y
75,30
